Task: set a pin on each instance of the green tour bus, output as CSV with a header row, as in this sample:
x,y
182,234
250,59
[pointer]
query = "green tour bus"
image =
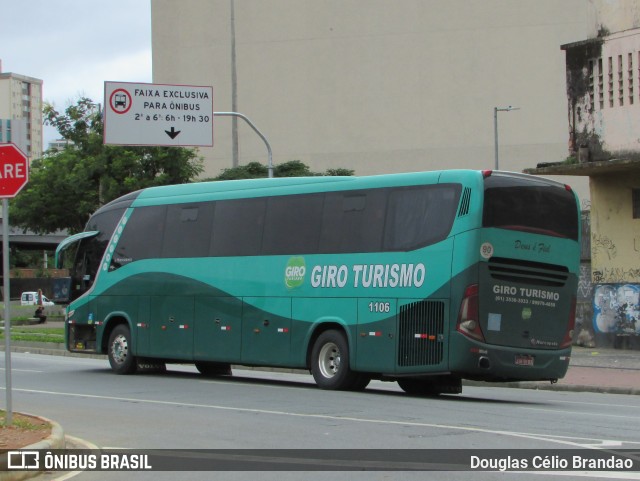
x,y
422,278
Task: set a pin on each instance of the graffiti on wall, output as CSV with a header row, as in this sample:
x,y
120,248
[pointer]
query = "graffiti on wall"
x,y
601,244
616,309
615,274
585,288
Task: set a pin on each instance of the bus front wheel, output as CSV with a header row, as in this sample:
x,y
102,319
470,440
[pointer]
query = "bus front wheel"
x,y
330,362
120,357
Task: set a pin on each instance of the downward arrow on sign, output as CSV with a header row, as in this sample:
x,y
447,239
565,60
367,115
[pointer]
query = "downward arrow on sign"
x,y
173,133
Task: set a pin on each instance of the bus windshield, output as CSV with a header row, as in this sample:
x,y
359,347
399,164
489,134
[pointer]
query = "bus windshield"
x,y
89,246
516,203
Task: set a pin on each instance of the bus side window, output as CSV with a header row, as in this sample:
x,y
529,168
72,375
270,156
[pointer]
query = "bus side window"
x,y
353,221
237,227
142,237
299,217
420,216
188,221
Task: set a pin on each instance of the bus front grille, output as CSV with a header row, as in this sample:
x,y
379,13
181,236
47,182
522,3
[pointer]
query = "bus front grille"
x,y
421,333
535,273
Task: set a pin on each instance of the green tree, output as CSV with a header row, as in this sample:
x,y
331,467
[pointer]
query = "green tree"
x,y
66,186
293,168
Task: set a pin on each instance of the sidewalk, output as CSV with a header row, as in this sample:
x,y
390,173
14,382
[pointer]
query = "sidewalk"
x,y
591,369
603,370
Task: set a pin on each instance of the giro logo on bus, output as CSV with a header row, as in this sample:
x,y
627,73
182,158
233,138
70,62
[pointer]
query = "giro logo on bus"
x,y
294,272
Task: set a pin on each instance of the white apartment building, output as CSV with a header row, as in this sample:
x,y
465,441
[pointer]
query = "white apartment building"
x,y
21,112
379,86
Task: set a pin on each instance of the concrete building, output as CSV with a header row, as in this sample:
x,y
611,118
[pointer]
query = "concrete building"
x,y
603,75
21,112
59,144
603,97
378,86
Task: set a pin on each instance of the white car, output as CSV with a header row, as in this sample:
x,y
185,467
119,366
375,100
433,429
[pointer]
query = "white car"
x,y
31,299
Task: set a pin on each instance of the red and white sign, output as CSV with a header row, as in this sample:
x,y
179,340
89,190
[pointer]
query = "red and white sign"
x,y
14,170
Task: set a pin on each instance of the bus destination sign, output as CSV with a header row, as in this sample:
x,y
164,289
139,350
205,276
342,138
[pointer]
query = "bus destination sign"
x,y
158,114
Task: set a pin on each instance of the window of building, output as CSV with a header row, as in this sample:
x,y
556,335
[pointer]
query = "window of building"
x,y
610,65
600,84
630,77
635,200
592,99
620,82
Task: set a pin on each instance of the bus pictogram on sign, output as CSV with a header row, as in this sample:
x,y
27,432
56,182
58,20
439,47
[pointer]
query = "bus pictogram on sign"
x,y
120,101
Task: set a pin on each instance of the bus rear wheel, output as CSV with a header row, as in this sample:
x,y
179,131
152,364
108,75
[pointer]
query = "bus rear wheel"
x,y
121,359
330,362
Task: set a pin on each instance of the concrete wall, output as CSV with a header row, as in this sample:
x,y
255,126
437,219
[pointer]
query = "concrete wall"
x,y
612,16
615,248
378,86
615,235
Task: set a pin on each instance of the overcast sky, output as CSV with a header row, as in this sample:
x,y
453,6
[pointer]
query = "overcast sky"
x,y
74,46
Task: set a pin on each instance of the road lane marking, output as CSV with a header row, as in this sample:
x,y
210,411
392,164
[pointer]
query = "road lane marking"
x,y
538,437
20,370
579,413
596,404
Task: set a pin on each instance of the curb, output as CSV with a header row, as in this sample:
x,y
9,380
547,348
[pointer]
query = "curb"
x,y
48,348
55,440
546,386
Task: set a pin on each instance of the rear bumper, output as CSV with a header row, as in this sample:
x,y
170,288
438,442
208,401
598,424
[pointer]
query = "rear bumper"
x,y
483,362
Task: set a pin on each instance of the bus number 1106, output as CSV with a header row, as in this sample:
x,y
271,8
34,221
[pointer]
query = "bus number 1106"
x,y
379,307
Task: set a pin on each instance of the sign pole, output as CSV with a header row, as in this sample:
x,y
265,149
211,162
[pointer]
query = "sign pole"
x,y
7,309
14,167
255,129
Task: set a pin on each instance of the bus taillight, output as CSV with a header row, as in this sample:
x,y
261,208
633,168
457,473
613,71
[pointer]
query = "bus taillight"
x,y
568,337
468,317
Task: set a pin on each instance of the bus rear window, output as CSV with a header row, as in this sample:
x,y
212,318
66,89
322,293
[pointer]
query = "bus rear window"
x,y
531,205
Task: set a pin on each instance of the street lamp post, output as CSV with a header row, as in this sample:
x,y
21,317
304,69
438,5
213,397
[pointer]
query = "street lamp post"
x,y
495,127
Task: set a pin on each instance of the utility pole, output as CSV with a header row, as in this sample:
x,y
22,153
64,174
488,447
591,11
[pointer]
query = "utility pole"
x,y
234,89
495,127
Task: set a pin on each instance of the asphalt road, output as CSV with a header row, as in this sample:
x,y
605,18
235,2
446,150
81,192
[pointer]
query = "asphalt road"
x,y
257,410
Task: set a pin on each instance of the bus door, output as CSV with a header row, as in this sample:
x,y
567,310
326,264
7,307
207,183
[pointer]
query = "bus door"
x,y
218,333
376,336
141,326
171,327
266,326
